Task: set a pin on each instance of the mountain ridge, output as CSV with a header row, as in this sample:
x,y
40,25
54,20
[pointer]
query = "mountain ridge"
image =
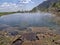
x,y
48,6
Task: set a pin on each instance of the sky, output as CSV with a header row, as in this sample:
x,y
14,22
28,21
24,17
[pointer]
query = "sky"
x,y
15,5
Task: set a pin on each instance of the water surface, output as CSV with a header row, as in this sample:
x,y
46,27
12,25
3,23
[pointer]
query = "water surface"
x,y
28,20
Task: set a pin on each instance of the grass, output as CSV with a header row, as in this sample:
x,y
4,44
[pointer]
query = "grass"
x,y
6,13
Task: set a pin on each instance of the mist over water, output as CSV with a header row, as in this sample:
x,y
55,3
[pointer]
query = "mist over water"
x,y
28,19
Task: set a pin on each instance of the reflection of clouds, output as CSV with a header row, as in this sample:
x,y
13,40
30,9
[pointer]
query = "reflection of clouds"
x,y
10,30
8,27
3,26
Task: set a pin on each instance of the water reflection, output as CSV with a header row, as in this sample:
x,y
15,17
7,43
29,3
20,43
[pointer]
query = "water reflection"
x,y
28,20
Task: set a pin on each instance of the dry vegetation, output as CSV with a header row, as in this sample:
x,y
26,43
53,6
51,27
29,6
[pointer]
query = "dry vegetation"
x,y
46,37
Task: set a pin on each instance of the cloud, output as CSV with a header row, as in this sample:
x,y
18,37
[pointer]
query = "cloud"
x,y
8,7
5,4
26,1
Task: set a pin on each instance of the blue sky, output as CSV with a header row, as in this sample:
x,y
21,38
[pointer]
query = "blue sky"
x,y
15,5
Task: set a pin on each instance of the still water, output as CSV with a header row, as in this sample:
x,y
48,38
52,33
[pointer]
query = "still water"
x,y
28,20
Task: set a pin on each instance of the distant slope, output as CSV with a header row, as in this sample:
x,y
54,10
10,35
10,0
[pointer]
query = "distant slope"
x,y
48,5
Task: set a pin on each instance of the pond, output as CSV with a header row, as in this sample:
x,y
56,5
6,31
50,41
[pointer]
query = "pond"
x,y
28,20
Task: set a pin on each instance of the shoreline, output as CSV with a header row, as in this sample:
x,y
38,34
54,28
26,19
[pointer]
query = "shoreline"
x,y
52,12
6,13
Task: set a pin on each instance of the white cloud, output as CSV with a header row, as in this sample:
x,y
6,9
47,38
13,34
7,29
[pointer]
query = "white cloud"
x,y
8,7
5,4
26,1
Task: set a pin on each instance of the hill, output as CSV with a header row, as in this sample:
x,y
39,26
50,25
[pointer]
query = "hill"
x,y
48,6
